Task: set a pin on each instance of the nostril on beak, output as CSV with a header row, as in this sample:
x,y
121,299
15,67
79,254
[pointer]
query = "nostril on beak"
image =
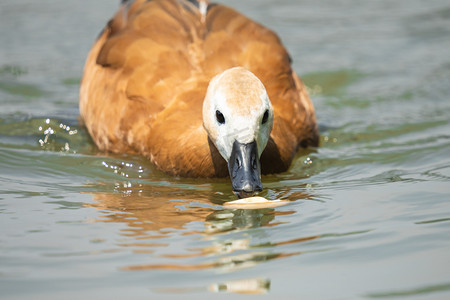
x,y
254,163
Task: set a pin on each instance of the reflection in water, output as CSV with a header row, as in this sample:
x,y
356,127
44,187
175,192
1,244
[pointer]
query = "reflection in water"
x,y
246,286
144,214
225,239
226,264
243,286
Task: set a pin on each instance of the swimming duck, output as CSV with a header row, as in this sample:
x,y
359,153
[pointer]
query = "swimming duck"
x,y
199,89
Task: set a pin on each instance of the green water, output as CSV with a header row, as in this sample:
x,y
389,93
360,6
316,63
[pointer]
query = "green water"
x,y
370,208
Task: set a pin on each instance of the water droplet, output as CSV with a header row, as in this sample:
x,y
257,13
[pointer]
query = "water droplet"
x,y
307,161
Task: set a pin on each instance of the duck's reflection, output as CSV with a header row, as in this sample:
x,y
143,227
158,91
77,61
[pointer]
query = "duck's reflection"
x,y
242,286
184,229
149,216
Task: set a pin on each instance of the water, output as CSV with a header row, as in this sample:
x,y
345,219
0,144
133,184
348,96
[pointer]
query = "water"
x,y
369,215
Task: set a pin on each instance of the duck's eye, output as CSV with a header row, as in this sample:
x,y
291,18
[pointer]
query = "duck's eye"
x,y
265,117
220,118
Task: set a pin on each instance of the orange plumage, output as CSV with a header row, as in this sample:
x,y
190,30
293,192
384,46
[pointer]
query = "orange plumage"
x,y
146,78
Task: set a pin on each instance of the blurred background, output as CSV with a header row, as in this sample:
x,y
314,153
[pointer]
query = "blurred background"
x,y
369,213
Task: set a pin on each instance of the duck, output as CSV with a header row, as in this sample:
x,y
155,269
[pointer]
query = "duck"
x,y
199,89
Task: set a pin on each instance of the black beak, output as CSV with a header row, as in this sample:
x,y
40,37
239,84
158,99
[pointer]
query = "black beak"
x,y
245,169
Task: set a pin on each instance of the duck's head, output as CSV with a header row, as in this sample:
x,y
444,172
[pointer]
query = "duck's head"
x,y
238,117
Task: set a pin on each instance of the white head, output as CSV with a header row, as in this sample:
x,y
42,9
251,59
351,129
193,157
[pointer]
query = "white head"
x,y
237,113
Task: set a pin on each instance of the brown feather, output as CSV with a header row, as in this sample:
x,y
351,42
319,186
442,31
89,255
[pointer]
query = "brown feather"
x,y
146,77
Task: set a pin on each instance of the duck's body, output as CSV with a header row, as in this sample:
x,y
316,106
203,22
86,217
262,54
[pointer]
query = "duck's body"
x,y
147,75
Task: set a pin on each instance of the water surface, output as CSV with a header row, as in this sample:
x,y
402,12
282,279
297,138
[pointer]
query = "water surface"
x,y
369,215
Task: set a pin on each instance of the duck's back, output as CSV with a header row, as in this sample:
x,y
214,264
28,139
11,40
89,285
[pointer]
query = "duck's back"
x,y
147,74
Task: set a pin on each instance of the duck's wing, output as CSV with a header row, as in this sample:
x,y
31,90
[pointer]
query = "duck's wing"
x,y
135,69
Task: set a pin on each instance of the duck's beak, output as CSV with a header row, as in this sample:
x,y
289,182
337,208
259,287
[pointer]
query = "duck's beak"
x,y
245,169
